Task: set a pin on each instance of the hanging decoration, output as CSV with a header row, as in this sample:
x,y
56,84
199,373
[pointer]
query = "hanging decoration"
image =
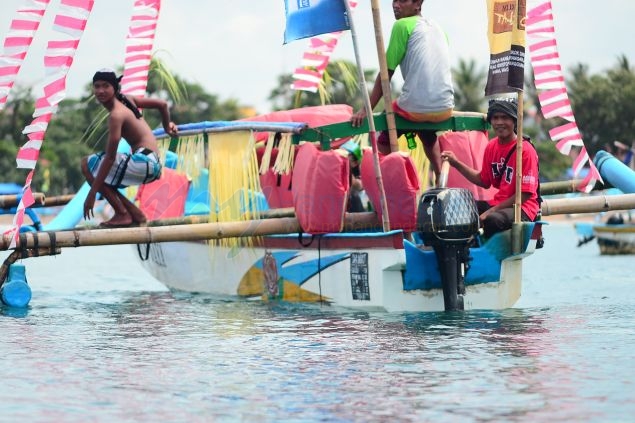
x,y
139,43
549,77
316,59
69,23
17,42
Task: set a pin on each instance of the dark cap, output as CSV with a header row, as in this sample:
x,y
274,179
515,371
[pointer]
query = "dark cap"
x,y
508,106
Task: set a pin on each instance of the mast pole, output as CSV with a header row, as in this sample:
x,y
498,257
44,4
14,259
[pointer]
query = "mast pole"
x,y
371,122
385,79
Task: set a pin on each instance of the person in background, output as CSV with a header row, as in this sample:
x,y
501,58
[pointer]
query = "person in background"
x,y
109,170
625,153
499,170
354,153
420,48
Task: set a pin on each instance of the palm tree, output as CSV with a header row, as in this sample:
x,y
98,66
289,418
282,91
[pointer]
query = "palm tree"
x,y
469,83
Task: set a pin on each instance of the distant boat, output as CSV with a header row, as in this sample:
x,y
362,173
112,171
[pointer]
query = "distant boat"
x,y
615,236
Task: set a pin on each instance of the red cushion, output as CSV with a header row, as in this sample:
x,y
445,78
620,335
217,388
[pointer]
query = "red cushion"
x,y
401,186
165,197
320,189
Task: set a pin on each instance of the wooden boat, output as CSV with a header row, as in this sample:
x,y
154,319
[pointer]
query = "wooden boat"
x,y
415,266
614,236
427,256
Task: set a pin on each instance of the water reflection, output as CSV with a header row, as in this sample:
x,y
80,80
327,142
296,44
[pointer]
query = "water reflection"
x,y
151,353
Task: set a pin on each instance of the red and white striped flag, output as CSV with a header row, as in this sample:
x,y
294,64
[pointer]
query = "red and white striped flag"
x,y
139,42
70,21
17,42
554,101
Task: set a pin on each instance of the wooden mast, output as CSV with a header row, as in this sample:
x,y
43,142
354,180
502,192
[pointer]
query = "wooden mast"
x,y
371,123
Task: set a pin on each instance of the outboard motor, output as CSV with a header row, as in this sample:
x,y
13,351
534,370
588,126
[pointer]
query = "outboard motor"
x,y
448,220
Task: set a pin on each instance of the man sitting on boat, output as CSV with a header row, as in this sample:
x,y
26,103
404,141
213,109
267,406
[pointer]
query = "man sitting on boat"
x,y
419,47
499,168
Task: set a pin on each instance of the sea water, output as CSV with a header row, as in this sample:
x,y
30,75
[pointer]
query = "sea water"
x,y
102,341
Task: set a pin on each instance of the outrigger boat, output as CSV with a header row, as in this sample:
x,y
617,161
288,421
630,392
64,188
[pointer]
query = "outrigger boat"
x,y
430,259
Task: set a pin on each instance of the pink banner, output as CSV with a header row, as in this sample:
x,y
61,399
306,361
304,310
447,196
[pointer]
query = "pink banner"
x,y
17,43
139,42
554,100
70,20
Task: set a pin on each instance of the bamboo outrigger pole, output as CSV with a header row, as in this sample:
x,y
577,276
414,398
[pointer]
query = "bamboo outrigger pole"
x,y
50,243
371,121
518,199
385,78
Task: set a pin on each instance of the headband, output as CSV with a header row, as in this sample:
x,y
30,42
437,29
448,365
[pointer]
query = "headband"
x,y
109,76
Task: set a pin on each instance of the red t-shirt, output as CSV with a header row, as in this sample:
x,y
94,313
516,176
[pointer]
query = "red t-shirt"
x,y
504,179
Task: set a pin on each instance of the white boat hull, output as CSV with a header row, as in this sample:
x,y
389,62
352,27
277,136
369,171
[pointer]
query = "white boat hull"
x,y
369,278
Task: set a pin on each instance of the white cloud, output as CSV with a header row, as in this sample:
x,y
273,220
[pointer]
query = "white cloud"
x,y
235,49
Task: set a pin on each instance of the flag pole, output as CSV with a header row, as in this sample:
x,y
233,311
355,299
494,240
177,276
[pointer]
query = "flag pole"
x,y
519,160
371,123
384,77
518,199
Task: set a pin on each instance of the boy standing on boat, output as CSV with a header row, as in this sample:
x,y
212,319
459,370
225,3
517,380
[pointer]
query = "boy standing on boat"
x,y
420,48
499,170
109,170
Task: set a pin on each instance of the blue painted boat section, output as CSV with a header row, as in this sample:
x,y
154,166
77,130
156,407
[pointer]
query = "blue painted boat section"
x,y
235,125
198,203
301,272
584,229
422,269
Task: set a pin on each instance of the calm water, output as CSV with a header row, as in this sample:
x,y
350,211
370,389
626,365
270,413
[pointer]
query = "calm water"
x,y
103,342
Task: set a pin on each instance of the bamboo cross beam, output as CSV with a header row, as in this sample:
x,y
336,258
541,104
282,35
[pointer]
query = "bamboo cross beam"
x,y
9,201
59,200
560,187
366,221
194,232
594,204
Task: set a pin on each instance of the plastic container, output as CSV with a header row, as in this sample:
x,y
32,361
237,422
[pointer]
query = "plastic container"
x,y
15,292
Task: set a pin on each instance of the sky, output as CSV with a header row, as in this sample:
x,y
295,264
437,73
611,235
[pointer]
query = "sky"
x,y
235,49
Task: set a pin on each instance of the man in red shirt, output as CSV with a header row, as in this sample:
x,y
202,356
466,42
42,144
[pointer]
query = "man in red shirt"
x,y
499,170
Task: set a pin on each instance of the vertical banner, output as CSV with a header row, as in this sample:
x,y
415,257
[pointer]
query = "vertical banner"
x,y
139,42
17,43
68,26
550,83
307,18
506,35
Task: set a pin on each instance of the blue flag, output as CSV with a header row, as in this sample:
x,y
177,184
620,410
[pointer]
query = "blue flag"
x,y
307,18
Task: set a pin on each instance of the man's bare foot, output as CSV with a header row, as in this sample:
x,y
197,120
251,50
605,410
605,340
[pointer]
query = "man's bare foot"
x,y
118,221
